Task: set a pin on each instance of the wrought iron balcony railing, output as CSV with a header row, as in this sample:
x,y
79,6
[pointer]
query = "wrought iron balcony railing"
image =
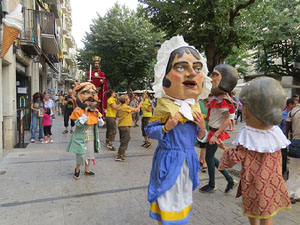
x,y
30,38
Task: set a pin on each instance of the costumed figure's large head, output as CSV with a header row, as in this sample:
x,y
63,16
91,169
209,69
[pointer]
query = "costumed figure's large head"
x,y
86,95
264,98
96,60
180,71
224,79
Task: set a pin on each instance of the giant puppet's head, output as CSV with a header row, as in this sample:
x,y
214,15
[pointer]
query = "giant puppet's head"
x,y
180,71
96,60
264,98
86,95
224,79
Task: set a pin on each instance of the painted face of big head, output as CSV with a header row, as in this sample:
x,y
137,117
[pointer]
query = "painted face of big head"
x,y
86,95
96,65
224,79
184,78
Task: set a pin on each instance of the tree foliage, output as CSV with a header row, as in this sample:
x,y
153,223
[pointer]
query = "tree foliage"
x,y
125,41
277,37
215,27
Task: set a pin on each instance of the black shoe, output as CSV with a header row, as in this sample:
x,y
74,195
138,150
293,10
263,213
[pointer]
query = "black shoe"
x,y
230,186
77,175
203,169
208,189
89,173
145,143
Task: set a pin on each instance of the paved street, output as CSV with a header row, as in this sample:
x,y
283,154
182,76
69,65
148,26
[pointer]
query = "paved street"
x,y
37,187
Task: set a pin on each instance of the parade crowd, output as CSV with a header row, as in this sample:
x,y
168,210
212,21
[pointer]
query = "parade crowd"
x,y
179,119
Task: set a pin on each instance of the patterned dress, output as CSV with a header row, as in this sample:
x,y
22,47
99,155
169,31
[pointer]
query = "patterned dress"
x,y
262,187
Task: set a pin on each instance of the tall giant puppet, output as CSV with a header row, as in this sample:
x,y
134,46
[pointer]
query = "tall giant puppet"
x,y
98,78
180,78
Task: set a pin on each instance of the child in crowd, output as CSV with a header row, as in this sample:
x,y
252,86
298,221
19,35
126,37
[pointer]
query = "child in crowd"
x,y
147,114
46,123
258,145
124,124
110,118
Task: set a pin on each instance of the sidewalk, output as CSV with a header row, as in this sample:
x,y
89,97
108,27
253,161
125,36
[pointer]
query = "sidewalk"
x,y
37,188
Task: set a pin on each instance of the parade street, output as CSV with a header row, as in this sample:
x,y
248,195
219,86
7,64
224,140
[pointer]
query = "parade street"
x,y
37,187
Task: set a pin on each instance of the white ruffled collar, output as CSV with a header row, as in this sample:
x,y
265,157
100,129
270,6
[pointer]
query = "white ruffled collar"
x,y
263,141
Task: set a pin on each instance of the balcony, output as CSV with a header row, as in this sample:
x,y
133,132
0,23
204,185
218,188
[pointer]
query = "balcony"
x,y
69,41
30,38
69,60
65,28
50,44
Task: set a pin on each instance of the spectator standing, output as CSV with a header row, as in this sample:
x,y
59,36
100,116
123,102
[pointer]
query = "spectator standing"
x,y
146,115
111,127
293,124
135,115
232,117
46,125
124,124
204,111
36,106
49,103
290,104
59,103
296,97
68,109
239,112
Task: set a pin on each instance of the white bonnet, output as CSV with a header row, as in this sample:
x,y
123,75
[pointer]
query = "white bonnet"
x,y
162,61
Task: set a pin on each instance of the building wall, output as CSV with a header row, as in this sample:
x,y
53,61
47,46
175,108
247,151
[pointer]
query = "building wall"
x,y
9,99
36,73
1,111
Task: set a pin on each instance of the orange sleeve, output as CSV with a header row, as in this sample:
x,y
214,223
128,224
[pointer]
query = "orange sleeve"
x,y
76,114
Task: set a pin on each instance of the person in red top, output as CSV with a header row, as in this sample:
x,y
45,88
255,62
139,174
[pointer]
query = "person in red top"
x,y
99,80
224,79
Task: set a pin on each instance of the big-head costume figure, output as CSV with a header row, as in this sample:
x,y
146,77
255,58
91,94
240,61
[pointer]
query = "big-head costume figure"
x,y
85,140
224,79
180,78
258,149
98,79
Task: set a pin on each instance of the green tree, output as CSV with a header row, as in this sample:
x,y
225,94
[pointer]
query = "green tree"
x,y
125,41
277,37
214,27
239,58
